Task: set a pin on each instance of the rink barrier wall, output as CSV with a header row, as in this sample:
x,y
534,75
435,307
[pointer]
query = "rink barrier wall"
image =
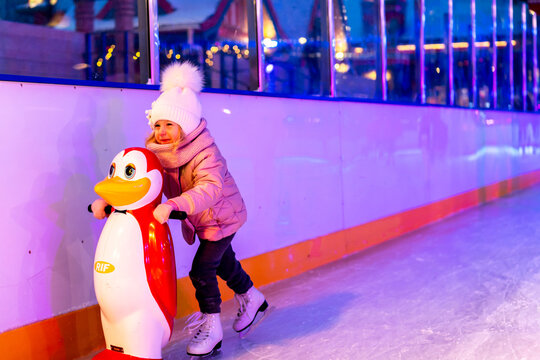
x,y
79,333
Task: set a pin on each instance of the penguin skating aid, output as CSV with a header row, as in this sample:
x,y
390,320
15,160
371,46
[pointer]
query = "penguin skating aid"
x,y
134,266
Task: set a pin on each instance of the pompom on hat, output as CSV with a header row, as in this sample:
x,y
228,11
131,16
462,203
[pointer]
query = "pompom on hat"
x,y
179,102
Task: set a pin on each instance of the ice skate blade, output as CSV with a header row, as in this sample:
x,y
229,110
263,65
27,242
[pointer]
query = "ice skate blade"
x,y
213,353
260,310
260,316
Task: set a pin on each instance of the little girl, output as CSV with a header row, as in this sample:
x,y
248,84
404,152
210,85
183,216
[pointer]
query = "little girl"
x,y
196,181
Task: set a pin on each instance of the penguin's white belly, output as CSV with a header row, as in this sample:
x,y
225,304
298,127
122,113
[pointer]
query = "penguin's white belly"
x,y
130,314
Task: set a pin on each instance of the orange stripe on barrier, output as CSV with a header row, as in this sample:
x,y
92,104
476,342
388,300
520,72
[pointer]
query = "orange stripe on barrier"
x,y
66,336
79,332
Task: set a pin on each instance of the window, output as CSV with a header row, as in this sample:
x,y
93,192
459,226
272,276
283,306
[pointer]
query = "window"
x,y
484,47
461,42
294,48
504,56
436,52
357,50
403,69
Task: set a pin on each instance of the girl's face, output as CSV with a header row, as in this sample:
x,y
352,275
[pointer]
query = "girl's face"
x,y
166,132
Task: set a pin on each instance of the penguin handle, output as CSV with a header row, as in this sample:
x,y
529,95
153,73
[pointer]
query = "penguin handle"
x,y
108,209
177,215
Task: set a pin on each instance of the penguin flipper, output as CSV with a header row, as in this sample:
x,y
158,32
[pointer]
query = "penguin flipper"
x,y
161,269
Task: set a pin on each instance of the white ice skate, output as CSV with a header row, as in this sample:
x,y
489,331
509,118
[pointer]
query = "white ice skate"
x,y
253,307
208,334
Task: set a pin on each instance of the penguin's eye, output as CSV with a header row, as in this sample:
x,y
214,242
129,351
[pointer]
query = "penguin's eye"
x,y
112,169
129,171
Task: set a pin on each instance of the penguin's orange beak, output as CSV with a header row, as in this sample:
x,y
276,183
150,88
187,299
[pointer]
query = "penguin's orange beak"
x,y
119,192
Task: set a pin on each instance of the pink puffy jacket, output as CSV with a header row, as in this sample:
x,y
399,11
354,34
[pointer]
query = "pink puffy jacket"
x,y
207,192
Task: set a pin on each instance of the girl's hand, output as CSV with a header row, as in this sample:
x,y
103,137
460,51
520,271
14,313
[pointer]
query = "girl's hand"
x,y
162,212
98,208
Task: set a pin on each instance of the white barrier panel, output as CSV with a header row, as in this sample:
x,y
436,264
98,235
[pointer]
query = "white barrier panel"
x,y
306,168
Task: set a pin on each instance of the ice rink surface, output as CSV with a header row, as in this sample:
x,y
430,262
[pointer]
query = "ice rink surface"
x,y
467,287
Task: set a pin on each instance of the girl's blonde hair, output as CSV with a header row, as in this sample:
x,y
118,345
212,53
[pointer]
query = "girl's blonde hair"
x,y
151,139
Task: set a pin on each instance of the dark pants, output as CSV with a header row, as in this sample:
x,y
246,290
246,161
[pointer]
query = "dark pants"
x,y
216,258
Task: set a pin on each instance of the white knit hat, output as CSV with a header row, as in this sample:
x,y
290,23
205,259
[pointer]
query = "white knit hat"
x,y
179,101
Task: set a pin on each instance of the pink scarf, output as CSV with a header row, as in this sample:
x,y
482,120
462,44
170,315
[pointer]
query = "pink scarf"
x,y
190,146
